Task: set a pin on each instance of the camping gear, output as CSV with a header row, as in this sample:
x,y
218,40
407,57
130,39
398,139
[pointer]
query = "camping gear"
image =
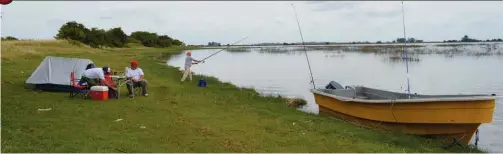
x,y
78,88
52,73
453,116
201,83
99,93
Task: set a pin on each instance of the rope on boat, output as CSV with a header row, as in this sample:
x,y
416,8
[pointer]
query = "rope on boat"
x,y
390,109
305,50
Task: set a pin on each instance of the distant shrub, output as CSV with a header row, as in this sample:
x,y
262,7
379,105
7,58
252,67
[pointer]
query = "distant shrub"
x,y
9,38
114,37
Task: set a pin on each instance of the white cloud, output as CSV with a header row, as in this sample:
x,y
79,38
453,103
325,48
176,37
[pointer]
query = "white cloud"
x,y
273,21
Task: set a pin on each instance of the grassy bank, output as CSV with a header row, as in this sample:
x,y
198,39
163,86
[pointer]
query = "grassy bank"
x,y
176,117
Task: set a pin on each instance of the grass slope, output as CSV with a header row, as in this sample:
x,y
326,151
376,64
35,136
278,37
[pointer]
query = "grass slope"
x,y
178,117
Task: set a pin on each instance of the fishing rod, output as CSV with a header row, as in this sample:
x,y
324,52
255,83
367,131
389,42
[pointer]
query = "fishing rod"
x,y
405,52
305,50
223,49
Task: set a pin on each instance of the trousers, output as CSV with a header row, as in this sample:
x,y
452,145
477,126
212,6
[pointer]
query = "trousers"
x,y
187,73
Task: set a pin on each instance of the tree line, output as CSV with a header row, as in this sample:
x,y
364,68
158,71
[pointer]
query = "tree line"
x,y
114,37
466,38
9,38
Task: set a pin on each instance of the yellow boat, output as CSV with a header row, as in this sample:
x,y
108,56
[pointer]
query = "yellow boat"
x,y
454,116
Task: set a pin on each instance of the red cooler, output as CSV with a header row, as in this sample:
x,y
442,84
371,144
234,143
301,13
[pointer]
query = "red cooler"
x,y
99,93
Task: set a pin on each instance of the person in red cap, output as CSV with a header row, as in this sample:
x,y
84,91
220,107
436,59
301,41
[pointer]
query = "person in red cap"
x,y
135,78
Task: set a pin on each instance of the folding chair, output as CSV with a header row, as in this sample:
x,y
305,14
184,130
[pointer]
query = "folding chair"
x,y
135,89
77,87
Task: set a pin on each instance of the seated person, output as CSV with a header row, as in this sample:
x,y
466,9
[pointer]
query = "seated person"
x,y
135,79
108,78
89,66
96,77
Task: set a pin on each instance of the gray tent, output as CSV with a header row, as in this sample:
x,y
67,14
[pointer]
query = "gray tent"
x,y
54,73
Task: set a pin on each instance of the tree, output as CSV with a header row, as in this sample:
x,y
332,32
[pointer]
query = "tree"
x,y
378,42
115,37
468,39
465,38
400,40
500,40
164,41
146,38
96,38
411,40
180,43
213,44
132,40
72,30
9,38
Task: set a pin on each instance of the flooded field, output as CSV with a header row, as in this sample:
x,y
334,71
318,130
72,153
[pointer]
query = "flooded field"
x,y
434,69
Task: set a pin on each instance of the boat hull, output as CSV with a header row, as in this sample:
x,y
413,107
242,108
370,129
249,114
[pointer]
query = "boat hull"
x,y
435,118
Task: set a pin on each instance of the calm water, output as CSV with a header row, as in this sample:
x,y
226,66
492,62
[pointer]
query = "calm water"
x,y
439,70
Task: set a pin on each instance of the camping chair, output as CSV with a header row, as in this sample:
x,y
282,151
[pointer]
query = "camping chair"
x,y
77,87
135,89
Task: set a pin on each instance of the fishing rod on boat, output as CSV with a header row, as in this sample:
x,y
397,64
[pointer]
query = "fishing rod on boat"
x,y
405,52
305,50
224,49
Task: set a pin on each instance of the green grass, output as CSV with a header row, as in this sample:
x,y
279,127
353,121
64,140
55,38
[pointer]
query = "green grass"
x,y
178,117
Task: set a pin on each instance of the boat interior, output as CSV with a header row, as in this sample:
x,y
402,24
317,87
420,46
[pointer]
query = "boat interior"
x,y
361,92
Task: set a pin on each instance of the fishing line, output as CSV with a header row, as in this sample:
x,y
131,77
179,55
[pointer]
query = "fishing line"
x,y
405,52
253,34
224,48
305,50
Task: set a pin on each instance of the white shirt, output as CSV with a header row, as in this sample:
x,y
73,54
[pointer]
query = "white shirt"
x,y
188,61
135,74
94,73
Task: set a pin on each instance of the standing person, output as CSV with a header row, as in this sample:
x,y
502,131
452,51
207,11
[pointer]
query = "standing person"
x,y
188,63
135,78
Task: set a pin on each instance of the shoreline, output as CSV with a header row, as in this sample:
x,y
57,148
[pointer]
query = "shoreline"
x,y
178,117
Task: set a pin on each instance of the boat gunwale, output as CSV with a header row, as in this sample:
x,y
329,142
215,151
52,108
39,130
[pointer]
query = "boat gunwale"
x,y
415,100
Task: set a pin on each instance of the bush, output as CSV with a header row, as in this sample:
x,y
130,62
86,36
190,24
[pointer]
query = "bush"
x,y
132,40
9,38
115,37
96,38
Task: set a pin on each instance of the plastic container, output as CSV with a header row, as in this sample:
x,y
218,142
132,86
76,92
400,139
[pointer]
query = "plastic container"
x,y
99,93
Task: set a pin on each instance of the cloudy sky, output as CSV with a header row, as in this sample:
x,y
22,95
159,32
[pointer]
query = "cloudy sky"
x,y
227,22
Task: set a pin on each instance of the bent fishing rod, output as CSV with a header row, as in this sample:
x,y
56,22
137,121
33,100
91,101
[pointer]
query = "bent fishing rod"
x,y
223,49
305,50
